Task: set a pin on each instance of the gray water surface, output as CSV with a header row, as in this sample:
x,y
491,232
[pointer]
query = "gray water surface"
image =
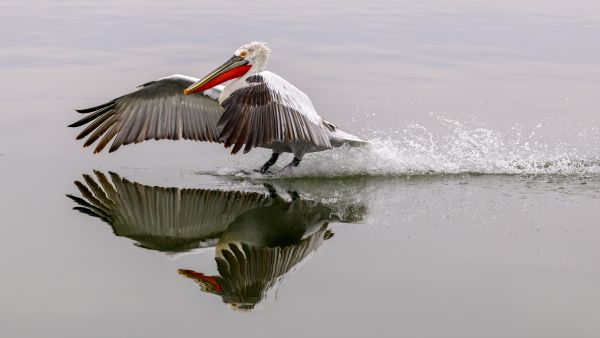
x,y
474,213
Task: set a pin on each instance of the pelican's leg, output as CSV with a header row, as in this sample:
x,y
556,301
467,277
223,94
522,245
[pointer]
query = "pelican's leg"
x,y
294,195
295,162
269,163
272,192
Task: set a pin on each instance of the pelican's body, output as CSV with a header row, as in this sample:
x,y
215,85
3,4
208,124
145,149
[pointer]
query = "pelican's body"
x,y
256,108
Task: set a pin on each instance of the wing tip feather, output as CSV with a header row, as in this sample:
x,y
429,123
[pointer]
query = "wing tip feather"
x,y
92,109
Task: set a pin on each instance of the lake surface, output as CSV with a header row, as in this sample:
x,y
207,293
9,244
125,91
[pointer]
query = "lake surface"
x,y
474,213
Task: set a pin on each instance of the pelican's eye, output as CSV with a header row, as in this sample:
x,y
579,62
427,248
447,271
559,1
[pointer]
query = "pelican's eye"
x,y
243,53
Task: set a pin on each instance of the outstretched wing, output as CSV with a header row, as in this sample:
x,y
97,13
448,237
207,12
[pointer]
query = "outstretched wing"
x,y
163,219
266,110
157,110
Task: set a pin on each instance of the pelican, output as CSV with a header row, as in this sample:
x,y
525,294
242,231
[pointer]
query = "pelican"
x,y
256,108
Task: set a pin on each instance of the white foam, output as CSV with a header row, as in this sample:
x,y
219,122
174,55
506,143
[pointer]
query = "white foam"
x,y
453,149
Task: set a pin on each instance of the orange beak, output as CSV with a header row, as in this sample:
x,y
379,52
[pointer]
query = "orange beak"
x,y
231,69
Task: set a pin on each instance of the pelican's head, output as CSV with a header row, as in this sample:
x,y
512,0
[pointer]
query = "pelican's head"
x,y
251,57
257,53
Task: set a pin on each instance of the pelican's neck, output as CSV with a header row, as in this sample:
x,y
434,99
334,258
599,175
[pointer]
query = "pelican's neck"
x,y
236,84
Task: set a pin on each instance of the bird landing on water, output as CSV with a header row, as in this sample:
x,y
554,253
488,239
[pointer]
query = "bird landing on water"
x,y
256,108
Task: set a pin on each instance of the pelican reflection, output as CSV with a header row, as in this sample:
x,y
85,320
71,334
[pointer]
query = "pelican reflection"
x,y
260,237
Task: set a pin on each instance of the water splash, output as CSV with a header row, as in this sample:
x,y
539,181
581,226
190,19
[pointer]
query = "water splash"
x,y
456,148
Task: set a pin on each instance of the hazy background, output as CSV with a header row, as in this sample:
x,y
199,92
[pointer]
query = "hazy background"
x,y
443,87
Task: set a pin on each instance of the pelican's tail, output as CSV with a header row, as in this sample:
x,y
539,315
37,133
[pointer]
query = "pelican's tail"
x,y
338,138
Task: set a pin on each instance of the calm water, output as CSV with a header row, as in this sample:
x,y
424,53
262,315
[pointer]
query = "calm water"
x,y
474,213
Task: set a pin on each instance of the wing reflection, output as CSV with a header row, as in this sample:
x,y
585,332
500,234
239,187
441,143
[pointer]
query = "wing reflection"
x,y
260,238
162,219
